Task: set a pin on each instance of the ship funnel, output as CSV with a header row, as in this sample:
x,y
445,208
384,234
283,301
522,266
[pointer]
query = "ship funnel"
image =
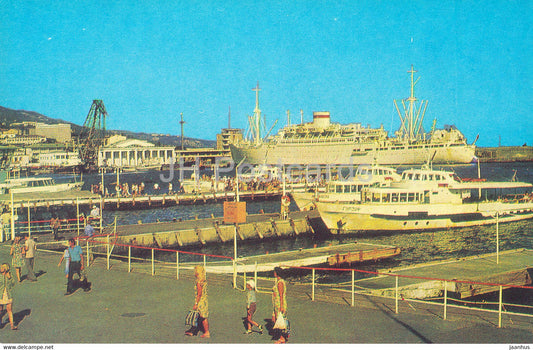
x,y
321,119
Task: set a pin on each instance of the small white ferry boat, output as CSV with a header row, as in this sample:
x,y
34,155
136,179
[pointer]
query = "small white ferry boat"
x,y
425,199
36,184
350,189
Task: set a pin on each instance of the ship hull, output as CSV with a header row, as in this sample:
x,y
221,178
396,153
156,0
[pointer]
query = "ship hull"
x,y
339,153
354,218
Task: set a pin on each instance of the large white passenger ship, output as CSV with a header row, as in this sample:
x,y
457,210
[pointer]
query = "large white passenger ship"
x,y
322,142
424,199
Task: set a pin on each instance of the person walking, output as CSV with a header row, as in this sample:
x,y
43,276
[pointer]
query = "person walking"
x,y
251,307
6,291
76,266
30,247
65,257
279,302
55,224
17,260
200,302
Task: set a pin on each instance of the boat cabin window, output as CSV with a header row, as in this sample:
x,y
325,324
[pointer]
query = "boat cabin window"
x,y
430,177
394,197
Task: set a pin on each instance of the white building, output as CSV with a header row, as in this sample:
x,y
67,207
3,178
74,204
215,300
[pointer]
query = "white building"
x,y
59,159
122,152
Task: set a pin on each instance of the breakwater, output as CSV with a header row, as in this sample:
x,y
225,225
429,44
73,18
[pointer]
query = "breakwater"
x,y
505,154
207,231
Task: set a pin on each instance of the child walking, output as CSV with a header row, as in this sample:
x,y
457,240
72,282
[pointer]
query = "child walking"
x,y
251,306
65,257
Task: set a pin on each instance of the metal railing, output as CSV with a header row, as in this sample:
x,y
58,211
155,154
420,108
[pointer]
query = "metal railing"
x,y
398,296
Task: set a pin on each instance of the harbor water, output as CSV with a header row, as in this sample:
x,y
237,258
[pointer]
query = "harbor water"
x,y
416,247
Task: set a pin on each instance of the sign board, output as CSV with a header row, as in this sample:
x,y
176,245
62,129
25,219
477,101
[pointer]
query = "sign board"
x,y
234,212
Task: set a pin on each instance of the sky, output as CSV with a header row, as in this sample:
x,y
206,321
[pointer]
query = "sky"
x,y
149,61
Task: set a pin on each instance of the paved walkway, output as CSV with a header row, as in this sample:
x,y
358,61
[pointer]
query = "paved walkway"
x,y
139,308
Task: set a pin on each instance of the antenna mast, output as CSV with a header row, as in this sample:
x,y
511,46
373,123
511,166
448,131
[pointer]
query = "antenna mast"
x,y
229,118
256,127
181,123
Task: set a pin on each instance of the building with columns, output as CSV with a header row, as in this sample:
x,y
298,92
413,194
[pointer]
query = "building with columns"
x,y
122,152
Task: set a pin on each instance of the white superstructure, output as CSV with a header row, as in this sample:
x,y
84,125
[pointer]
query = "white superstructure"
x,y
322,142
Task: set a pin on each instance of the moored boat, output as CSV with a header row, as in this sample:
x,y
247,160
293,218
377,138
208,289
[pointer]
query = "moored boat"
x,y
350,188
322,142
36,184
427,199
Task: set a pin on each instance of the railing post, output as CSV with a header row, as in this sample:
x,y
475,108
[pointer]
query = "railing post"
x,y
12,216
29,220
177,265
500,308
88,254
102,213
255,275
205,260
153,267
234,275
129,258
78,215
244,280
396,294
107,248
313,288
353,287
445,297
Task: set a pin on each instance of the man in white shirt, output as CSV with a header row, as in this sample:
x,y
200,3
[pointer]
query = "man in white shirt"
x,y
30,247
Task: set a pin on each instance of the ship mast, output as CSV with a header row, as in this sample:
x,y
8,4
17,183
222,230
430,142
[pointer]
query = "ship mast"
x,y
412,117
256,127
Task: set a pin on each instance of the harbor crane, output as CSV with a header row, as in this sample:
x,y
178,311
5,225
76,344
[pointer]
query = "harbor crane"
x,y
92,135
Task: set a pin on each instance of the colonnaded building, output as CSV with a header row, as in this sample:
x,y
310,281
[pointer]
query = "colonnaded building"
x,y
120,151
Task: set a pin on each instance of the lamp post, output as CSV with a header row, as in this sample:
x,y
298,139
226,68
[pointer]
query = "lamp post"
x,y
497,217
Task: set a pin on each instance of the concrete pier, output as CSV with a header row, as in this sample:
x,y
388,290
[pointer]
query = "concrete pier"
x,y
515,267
213,230
305,257
86,198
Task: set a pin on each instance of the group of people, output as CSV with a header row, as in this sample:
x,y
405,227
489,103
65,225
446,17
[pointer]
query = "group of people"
x,y
21,254
279,304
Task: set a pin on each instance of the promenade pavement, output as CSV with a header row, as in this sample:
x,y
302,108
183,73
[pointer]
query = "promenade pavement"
x,y
136,307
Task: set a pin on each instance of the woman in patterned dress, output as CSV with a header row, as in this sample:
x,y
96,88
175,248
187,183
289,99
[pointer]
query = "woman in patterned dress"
x,y
17,261
279,301
6,293
200,301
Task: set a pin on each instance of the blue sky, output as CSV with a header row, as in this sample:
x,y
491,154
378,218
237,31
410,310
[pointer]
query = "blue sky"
x,y
151,60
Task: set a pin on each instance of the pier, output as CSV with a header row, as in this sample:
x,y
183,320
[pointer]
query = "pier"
x,y
213,230
514,267
329,255
86,198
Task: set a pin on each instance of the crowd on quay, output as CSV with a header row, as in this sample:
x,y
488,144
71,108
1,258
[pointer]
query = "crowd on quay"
x,y
126,189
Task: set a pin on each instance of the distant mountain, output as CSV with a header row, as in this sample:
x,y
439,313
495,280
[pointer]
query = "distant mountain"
x,y
9,116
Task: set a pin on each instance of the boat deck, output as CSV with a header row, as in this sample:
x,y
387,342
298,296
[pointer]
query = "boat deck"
x,y
303,257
